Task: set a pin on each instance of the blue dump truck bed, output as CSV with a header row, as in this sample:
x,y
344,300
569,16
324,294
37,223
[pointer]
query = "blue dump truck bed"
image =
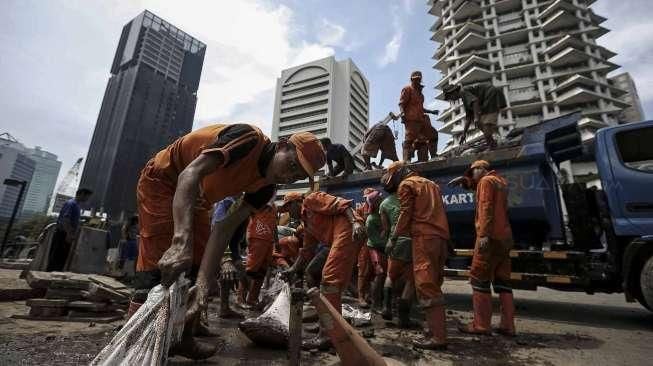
x,y
534,204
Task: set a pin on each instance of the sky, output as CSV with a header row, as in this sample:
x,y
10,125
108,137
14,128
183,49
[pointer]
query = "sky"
x,y
56,56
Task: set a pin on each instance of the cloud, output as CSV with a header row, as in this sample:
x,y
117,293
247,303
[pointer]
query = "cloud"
x,y
629,36
330,34
391,51
408,6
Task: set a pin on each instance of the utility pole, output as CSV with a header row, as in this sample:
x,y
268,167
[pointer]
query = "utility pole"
x,y
14,183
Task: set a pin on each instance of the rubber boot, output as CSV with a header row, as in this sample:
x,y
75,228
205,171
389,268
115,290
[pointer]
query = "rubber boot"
x,y
407,154
433,150
377,292
254,291
437,322
203,329
482,315
507,325
322,342
403,314
363,289
387,303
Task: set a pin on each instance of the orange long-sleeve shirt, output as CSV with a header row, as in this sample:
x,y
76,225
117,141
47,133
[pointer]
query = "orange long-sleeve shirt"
x,y
263,224
492,207
421,209
412,103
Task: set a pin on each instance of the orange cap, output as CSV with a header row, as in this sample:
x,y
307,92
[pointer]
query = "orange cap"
x,y
310,152
292,197
395,166
477,164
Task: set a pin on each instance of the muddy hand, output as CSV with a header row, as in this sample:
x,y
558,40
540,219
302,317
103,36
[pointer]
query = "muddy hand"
x,y
197,302
176,260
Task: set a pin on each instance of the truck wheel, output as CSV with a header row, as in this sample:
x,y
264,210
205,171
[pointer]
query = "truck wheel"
x,y
646,284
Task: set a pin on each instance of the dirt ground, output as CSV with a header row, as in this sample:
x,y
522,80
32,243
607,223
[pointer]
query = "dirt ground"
x,y
556,328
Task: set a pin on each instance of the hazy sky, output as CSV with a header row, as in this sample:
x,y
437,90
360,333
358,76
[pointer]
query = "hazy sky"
x,y
56,56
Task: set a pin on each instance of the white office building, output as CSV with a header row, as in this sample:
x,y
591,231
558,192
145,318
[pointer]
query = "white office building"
x,y
326,97
544,55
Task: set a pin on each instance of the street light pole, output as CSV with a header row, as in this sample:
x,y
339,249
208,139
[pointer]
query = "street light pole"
x,y
14,183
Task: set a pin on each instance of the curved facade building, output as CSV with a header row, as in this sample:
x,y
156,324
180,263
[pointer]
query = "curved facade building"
x,y
543,55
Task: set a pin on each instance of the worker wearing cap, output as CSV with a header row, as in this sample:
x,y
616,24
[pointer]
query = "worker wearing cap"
x,y
177,188
376,246
331,220
379,137
491,261
399,279
482,103
288,249
411,104
364,262
262,238
422,217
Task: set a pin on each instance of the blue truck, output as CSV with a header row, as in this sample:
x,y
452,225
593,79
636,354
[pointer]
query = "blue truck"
x,y
568,236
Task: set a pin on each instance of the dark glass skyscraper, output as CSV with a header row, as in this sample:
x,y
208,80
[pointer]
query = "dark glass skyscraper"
x,y
149,102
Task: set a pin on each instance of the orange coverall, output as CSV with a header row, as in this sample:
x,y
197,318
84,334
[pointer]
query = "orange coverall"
x,y
423,218
492,264
412,103
325,221
288,248
261,235
158,181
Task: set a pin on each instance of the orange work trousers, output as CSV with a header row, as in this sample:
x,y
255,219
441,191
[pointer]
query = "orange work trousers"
x,y
259,256
492,265
342,257
399,270
429,256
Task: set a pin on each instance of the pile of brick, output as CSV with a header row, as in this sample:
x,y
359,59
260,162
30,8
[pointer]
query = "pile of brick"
x,y
76,297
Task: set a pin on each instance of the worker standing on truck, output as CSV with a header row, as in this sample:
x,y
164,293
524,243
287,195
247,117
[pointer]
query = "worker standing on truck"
x,y
491,261
379,137
422,217
482,103
411,104
331,220
177,188
337,153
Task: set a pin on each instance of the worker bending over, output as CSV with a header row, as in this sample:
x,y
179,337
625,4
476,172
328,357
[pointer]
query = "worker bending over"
x,y
337,153
379,137
331,220
422,217
482,103
176,190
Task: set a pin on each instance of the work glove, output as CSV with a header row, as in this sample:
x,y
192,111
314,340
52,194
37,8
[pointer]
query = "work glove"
x,y
483,244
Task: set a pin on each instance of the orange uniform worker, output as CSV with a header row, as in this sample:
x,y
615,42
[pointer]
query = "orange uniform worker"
x,y
331,220
177,188
411,104
288,249
422,217
491,261
261,239
364,262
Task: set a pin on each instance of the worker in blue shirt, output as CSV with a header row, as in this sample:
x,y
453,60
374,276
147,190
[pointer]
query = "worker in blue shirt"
x,y
67,230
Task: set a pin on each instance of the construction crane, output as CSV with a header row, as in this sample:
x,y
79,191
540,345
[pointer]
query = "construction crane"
x,y
67,188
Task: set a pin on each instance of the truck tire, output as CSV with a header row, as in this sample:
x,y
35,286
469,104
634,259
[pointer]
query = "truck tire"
x,y
646,284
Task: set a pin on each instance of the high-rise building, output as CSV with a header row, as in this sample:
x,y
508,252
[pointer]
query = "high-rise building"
x,y
41,186
149,102
326,97
634,113
15,163
542,54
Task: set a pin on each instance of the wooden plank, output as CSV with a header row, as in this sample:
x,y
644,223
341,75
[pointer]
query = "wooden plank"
x,y
98,292
91,306
52,303
107,282
47,311
63,293
89,319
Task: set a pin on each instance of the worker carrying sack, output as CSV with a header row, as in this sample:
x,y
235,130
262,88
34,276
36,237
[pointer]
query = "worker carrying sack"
x,y
151,331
